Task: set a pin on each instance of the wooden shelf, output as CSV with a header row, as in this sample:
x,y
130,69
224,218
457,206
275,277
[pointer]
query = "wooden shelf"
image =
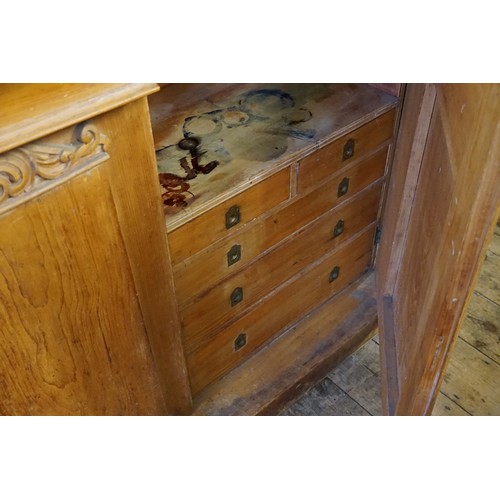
x,y
244,133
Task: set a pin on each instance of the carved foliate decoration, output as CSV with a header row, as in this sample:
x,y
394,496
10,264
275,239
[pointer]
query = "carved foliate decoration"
x,y
31,169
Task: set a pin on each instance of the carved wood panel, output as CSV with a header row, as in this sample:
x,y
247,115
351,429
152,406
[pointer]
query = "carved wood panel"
x,y
32,169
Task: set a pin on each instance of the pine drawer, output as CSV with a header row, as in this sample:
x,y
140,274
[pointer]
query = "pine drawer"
x,y
229,216
230,298
325,162
221,353
194,277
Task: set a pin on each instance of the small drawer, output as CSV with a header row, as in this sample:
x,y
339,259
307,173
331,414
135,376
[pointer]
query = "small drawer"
x,y
231,297
195,276
229,215
319,165
223,352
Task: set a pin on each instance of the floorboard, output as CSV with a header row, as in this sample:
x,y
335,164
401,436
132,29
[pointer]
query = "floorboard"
x,y
326,399
481,326
488,283
446,407
472,380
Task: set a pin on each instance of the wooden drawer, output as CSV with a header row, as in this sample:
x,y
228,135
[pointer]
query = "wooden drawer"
x,y
317,166
231,297
229,216
195,276
218,355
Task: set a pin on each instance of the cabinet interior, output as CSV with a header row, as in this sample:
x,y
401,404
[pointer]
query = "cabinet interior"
x,y
272,197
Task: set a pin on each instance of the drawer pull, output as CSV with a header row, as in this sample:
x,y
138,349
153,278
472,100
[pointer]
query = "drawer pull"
x,y
234,255
232,216
334,274
236,296
240,341
343,187
348,151
338,229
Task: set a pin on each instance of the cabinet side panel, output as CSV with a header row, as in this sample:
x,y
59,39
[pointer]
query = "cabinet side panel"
x,y
133,178
72,340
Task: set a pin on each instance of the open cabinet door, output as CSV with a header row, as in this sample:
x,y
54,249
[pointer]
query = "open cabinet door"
x,y
442,203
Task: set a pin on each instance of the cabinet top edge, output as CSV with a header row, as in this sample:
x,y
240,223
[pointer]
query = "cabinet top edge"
x,y
29,111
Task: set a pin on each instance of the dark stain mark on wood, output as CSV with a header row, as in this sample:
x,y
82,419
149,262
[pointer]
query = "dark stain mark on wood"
x,y
175,187
256,127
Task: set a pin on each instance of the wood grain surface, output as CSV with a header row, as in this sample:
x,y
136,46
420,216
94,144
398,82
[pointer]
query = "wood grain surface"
x,y
325,162
209,227
285,306
214,307
136,196
199,273
87,324
72,337
30,111
446,237
251,131
272,378
351,389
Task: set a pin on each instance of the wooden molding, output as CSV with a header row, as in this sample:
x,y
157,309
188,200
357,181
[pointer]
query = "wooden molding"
x,y
30,170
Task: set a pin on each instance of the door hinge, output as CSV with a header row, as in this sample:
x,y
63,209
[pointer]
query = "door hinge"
x,y
378,235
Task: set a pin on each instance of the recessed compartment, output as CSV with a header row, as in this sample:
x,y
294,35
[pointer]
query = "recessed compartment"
x,y
271,195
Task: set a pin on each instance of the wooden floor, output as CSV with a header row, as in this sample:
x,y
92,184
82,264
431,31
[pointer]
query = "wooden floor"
x,y
471,384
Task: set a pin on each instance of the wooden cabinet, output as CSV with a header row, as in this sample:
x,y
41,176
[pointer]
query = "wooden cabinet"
x,y
85,324
212,249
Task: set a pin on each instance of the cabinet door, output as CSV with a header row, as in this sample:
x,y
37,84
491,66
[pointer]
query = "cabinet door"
x,y
443,200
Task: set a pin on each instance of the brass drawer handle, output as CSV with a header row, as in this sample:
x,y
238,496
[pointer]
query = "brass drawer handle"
x,y
232,216
343,187
334,274
348,151
338,229
240,341
234,255
236,296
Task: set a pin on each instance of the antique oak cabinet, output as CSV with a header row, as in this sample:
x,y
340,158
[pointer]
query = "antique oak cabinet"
x,y
216,249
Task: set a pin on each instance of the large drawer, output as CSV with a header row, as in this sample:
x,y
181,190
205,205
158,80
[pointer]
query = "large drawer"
x,y
229,216
218,355
197,275
320,165
230,298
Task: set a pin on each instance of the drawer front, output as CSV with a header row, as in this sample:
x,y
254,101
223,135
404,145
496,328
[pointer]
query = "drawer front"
x,y
229,216
218,355
197,275
322,164
231,297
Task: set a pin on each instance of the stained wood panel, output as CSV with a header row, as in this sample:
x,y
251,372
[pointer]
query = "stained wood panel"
x,y
87,323
136,196
72,338
448,227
